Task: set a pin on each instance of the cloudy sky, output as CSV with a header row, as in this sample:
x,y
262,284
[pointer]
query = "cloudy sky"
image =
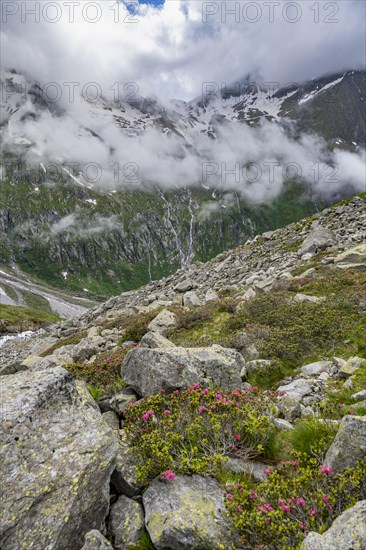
x,y
170,48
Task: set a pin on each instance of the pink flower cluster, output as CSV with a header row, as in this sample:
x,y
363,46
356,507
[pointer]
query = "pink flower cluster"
x,y
326,470
147,415
168,474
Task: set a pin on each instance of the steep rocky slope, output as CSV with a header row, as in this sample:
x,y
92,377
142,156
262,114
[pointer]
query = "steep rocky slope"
x,y
228,405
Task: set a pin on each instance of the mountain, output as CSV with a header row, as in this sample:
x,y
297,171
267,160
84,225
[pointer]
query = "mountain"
x,y
186,413
97,240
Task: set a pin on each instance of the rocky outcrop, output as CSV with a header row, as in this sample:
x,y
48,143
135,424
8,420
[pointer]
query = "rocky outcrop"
x,y
348,531
57,457
187,512
149,370
349,445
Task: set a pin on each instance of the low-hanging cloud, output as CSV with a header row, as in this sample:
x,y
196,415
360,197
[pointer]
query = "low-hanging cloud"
x,y
171,52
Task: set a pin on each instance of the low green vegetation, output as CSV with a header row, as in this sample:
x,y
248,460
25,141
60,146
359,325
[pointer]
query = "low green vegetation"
x,y
18,319
198,430
195,430
288,333
68,341
294,500
103,374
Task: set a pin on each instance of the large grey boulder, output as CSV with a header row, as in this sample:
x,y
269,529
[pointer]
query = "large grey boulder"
x,y
155,340
57,456
149,370
94,540
317,368
349,445
319,239
187,512
347,532
297,389
163,322
126,523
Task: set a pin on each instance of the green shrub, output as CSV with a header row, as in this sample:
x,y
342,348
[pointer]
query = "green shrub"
x,y
194,430
312,437
103,375
292,331
294,500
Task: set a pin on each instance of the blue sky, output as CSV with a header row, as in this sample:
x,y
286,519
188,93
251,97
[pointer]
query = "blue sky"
x,y
152,2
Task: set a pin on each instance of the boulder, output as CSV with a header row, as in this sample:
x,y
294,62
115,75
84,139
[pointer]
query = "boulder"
x,y
307,298
298,388
111,419
351,366
289,408
57,457
184,286
163,322
349,445
120,402
211,295
243,466
317,368
149,370
319,239
355,255
155,340
348,531
187,512
257,365
282,424
126,523
125,478
359,395
94,540
190,299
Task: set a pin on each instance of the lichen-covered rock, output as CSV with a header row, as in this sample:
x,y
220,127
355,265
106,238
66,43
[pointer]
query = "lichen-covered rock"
x,y
120,402
155,340
297,389
355,255
57,456
125,476
289,408
164,321
94,540
149,370
187,512
126,523
348,532
351,366
349,445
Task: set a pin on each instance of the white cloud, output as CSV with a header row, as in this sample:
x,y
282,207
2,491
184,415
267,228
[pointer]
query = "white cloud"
x,y
172,50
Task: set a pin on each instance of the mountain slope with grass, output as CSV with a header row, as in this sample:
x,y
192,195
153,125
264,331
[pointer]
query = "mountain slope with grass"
x,y
99,238
224,405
